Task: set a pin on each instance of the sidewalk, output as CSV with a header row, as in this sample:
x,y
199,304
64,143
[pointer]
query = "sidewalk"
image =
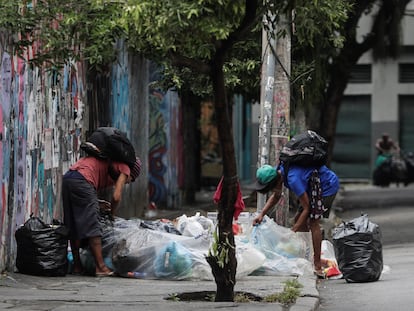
x,y
73,293
21,292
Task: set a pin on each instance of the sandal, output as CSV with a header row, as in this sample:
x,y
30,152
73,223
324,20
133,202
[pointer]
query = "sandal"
x,y
320,274
104,274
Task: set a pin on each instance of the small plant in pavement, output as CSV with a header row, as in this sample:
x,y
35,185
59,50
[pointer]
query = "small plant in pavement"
x,y
291,292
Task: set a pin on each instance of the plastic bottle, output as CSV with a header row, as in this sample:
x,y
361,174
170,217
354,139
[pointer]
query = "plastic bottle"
x,y
69,258
136,275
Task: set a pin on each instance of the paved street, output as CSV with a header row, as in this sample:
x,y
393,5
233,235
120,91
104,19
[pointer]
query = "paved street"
x,y
393,210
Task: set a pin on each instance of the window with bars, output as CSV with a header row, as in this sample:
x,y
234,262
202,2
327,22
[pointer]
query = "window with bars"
x,y
361,74
406,73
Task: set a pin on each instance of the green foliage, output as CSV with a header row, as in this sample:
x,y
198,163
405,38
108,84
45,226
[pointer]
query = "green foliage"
x,y
289,295
219,249
317,39
317,22
190,28
183,37
173,297
63,30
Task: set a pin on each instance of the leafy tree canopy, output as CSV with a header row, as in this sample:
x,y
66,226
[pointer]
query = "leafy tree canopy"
x,y
182,36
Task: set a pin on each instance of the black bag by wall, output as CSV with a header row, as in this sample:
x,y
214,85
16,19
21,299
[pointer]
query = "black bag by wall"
x,y
305,149
110,143
42,248
358,250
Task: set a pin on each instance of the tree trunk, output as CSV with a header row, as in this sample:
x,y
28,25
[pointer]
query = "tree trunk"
x,y
98,97
225,273
191,146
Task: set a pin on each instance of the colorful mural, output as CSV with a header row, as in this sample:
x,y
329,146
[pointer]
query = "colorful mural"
x,y
163,141
42,116
211,167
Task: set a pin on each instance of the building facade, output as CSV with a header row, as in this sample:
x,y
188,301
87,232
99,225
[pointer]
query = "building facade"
x,y
378,99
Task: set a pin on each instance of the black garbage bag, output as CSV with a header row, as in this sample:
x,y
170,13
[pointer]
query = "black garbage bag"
x,y
382,175
358,250
42,248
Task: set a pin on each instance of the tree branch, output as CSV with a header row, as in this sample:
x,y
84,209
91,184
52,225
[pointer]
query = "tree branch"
x,y
383,22
250,18
183,61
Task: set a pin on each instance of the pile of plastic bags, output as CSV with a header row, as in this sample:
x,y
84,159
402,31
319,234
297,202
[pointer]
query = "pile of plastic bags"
x,y
176,250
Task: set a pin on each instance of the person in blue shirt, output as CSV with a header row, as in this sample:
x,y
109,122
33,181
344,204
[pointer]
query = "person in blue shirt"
x,y
315,187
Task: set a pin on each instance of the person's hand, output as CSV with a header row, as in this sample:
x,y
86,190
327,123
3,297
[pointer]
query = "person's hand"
x,y
104,206
257,220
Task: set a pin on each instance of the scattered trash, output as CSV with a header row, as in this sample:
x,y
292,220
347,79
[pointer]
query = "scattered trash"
x,y
176,249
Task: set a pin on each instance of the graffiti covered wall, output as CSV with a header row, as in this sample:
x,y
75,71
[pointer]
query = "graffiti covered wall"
x,y
163,157
129,112
42,118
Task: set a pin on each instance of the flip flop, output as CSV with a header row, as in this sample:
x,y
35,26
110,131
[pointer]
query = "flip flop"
x,y
320,274
104,274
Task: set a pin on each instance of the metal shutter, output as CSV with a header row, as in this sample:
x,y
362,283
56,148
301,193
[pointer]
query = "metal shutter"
x,y
352,149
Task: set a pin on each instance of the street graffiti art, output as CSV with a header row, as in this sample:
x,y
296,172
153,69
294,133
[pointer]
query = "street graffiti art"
x,y
39,138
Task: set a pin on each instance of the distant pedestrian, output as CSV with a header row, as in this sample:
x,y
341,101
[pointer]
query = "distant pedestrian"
x,y
80,188
315,187
385,145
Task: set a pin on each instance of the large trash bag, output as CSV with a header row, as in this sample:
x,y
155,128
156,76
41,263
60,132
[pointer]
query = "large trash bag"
x,y
409,160
42,248
358,249
382,175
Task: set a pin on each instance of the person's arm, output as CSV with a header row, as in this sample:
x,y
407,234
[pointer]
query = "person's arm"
x,y
117,193
272,201
301,222
396,146
378,145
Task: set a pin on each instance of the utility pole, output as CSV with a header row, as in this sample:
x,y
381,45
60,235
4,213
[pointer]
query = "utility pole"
x,y
281,108
266,100
275,104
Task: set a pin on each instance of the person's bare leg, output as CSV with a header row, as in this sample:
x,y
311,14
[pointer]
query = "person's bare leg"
x,y
317,241
95,244
304,227
77,264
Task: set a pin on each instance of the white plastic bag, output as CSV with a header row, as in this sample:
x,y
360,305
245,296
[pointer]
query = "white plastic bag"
x,y
329,263
271,239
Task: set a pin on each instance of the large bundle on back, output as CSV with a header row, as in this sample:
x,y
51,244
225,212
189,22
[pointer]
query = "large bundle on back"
x,y
110,143
305,149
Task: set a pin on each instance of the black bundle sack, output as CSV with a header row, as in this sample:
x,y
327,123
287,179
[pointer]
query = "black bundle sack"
x,y
42,248
358,250
110,143
306,149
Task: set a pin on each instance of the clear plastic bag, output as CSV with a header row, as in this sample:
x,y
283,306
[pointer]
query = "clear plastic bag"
x,y
287,252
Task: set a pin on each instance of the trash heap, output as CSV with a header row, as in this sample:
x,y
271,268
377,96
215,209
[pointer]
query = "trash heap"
x,y
176,249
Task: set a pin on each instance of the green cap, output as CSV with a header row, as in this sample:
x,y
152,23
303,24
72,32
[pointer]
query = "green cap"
x,y
265,175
